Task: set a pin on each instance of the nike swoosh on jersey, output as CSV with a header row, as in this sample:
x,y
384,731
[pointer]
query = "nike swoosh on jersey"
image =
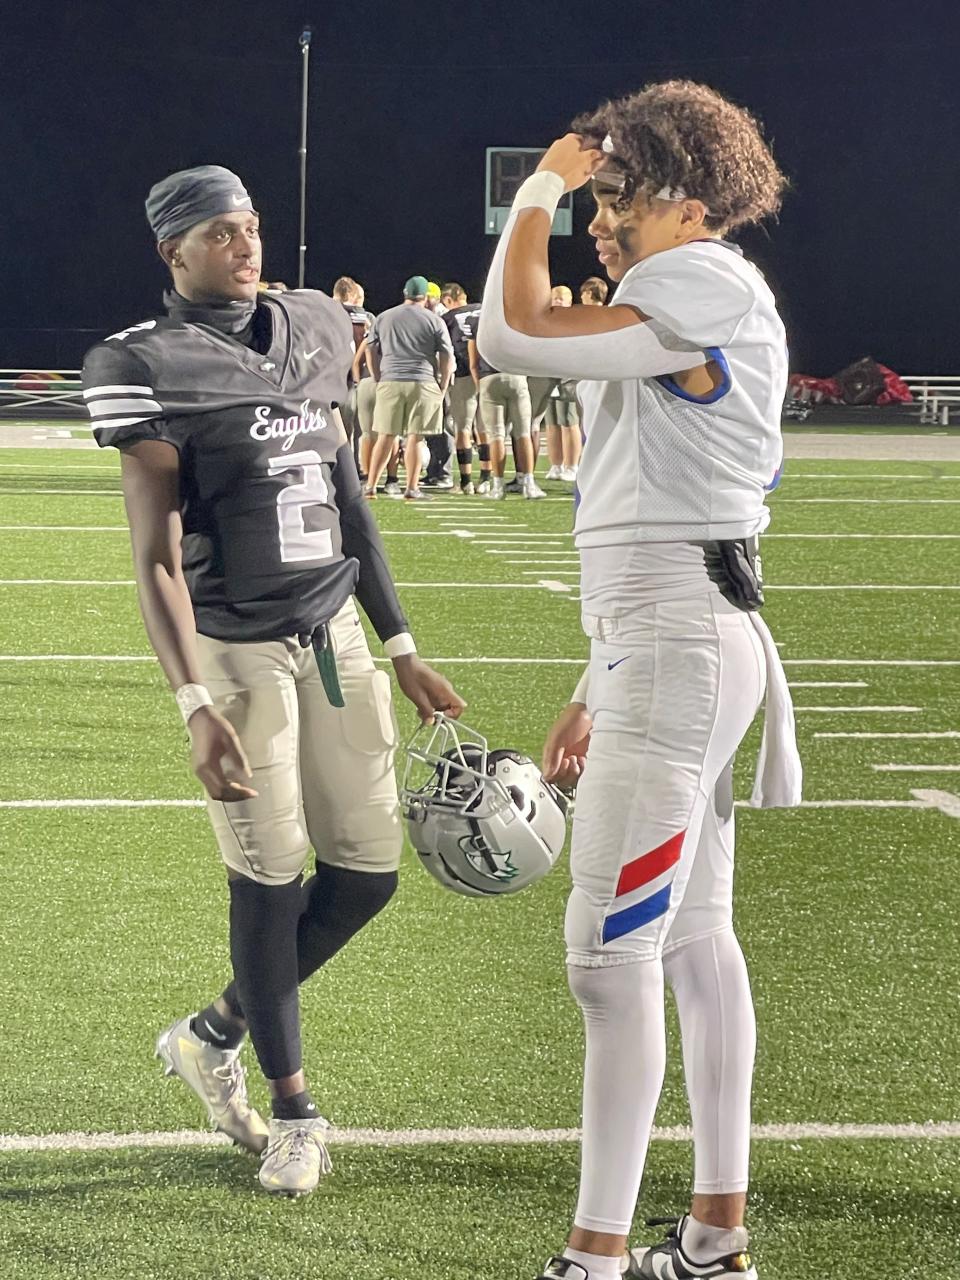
x,y
611,665
308,355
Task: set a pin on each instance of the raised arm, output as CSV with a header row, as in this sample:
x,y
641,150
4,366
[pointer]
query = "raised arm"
x,y
150,471
521,332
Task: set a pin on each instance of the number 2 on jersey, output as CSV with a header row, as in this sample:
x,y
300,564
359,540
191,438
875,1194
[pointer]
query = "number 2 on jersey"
x,y
296,541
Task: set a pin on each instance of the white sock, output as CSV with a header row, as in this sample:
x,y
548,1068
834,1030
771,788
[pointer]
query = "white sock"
x,y
626,1053
597,1265
702,1243
718,1029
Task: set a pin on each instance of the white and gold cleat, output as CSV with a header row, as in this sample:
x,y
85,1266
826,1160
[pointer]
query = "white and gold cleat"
x,y
296,1157
217,1077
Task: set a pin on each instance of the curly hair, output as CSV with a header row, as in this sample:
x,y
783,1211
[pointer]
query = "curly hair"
x,y
682,134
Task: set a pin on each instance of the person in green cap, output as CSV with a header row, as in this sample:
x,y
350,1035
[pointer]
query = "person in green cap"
x,y
413,363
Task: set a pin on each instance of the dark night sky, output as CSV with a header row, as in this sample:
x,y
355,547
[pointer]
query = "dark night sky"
x,y
99,100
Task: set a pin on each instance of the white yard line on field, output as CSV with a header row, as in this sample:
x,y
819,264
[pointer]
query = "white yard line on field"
x,y
949,733
875,502
922,800
74,1141
85,493
63,528
546,567
900,710
828,684
836,537
915,768
504,661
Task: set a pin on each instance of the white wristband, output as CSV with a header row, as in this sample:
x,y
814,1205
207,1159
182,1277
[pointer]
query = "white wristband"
x,y
543,190
190,698
399,646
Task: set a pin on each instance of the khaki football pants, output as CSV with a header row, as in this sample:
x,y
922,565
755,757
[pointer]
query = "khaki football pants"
x,y
324,775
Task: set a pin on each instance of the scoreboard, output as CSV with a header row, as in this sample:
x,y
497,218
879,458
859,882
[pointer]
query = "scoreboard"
x,y
507,167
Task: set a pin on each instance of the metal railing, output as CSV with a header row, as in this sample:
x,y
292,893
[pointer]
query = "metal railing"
x,y
935,395
32,388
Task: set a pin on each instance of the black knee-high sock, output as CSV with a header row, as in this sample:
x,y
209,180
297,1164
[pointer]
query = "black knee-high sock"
x,y
335,904
483,453
263,947
465,463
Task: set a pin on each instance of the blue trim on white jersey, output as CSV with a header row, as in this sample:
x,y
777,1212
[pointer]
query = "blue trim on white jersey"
x,y
716,355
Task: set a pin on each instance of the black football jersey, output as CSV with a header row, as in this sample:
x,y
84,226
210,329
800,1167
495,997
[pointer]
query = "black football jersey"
x,y
462,323
262,546
362,321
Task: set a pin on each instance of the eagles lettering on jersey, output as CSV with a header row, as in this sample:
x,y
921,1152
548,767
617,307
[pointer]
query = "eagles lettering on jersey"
x,y
260,480
462,323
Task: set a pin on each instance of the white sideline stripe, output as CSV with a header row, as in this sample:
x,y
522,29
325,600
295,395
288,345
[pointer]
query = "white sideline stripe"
x,y
924,800
915,768
82,1142
949,733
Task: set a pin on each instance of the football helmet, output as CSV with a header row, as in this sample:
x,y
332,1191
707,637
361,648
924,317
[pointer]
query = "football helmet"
x,y
483,822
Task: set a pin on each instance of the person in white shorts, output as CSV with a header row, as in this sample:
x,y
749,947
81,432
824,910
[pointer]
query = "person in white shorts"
x,y
250,540
504,404
681,381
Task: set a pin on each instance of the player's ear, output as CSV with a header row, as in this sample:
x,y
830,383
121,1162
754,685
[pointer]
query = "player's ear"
x,y
692,213
169,251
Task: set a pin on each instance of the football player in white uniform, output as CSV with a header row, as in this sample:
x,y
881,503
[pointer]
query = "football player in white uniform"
x,y
681,381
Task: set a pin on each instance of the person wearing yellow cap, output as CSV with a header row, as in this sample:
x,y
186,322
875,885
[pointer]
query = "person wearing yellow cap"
x,y
434,296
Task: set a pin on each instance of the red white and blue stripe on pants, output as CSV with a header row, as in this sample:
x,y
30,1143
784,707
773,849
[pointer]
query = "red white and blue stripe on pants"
x,y
658,865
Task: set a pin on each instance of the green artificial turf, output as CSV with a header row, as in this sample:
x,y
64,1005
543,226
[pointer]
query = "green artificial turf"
x,y
447,1012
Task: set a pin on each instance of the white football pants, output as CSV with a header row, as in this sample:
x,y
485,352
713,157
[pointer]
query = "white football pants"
x,y
673,689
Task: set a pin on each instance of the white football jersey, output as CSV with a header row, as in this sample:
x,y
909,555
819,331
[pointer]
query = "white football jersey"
x,y
660,465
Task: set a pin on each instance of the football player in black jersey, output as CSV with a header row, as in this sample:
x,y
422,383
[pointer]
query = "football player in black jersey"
x,y
250,540
463,390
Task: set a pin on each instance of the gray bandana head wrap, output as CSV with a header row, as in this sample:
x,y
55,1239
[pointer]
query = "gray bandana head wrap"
x,y
181,201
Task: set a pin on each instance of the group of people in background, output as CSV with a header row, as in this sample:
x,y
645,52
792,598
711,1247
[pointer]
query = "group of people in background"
x,y
420,391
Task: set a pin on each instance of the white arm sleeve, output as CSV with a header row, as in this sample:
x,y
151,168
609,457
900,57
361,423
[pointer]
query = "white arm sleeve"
x,y
621,355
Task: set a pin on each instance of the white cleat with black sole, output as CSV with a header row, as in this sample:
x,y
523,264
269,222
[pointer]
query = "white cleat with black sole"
x,y
217,1077
668,1261
296,1157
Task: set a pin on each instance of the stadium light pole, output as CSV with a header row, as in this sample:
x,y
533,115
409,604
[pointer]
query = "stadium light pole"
x,y
305,36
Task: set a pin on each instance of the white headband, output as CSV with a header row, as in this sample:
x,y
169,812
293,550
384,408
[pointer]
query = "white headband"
x,y
674,194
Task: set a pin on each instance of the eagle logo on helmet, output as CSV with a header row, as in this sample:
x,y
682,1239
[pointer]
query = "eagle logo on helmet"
x,y
486,861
